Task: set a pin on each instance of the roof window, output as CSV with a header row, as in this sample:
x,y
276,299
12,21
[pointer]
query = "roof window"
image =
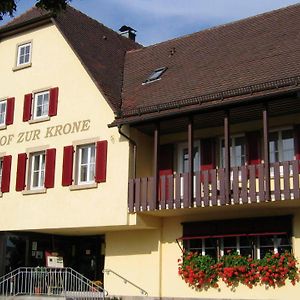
x,y
155,75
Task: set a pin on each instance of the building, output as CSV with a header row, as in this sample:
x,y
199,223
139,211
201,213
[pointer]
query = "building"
x,y
193,142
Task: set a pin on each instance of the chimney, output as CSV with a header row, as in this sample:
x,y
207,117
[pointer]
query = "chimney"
x,y
128,32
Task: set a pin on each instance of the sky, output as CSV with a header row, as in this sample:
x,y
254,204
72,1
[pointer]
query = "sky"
x,y
160,20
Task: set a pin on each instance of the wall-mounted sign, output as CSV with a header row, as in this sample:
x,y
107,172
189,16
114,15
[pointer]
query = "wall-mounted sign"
x,y
55,261
49,132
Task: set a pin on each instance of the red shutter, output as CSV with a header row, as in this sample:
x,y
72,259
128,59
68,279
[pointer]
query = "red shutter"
x,y
6,167
297,141
27,107
10,108
253,148
207,153
21,172
53,102
67,166
50,168
165,166
101,158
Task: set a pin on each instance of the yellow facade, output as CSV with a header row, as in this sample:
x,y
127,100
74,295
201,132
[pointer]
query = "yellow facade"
x,y
141,247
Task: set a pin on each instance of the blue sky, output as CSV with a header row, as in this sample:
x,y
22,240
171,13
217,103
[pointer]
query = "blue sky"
x,y
160,20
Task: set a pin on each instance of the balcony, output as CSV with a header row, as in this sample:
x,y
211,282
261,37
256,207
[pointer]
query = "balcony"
x,y
247,184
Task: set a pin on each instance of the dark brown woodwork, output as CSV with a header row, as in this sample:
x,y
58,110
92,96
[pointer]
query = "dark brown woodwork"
x,y
163,191
153,194
186,185
252,183
261,185
277,191
156,162
213,176
178,187
191,161
144,193
244,193
206,188
198,189
266,152
286,180
227,156
295,167
235,185
170,196
222,186
137,194
131,195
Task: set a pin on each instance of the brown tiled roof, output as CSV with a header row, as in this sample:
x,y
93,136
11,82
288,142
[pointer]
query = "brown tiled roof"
x,y
100,49
240,57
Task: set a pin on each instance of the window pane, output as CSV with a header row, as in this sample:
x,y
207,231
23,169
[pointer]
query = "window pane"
x,y
84,155
83,173
288,145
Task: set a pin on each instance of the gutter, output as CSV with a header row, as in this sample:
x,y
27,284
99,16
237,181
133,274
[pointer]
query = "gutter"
x,y
133,143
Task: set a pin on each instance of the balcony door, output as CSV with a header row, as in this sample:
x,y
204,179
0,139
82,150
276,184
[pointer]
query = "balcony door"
x,y
183,157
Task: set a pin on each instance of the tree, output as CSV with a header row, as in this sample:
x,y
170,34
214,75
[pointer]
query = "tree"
x,y
8,7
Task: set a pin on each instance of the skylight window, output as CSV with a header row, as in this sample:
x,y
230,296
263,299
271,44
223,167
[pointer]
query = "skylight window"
x,y
155,75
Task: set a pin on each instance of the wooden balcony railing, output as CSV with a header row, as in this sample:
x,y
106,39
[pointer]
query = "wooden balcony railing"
x,y
247,185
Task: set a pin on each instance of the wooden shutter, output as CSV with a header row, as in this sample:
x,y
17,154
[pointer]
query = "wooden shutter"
x,y
297,141
27,107
253,148
6,168
207,153
10,108
21,172
101,161
53,102
50,168
67,173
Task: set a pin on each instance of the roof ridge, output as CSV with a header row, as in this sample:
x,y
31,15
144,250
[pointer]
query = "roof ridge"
x,y
216,27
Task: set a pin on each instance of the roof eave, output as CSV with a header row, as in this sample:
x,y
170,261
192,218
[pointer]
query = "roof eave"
x,y
224,103
26,25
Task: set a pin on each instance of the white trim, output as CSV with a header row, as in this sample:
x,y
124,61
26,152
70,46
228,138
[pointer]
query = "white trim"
x,y
19,47
5,112
40,171
89,164
44,114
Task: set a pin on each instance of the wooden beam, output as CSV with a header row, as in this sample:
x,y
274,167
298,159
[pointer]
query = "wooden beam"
x,y
191,160
266,151
156,163
227,155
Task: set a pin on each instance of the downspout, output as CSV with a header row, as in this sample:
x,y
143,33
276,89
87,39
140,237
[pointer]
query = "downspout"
x,y
133,143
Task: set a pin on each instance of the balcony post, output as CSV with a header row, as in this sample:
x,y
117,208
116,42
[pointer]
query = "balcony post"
x,y
227,155
155,165
266,152
191,160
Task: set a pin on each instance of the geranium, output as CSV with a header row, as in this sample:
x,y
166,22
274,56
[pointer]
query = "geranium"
x,y
203,271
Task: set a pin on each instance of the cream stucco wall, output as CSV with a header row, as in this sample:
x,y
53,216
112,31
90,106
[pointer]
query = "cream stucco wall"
x,y
149,257
54,64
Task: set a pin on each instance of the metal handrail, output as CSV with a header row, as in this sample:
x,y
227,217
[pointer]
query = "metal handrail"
x,y
108,271
50,281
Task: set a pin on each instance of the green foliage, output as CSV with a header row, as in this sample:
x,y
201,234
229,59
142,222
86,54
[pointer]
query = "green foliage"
x,y
8,7
202,272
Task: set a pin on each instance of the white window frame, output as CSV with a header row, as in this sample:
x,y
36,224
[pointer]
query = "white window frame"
x,y
232,153
3,102
19,64
279,131
180,150
89,163
35,105
41,170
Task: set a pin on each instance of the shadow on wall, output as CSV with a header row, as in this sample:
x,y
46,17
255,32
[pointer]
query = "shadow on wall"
x,y
132,242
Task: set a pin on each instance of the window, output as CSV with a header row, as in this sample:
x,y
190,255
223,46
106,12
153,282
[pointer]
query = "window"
x,y
237,151
281,145
40,170
86,164
90,164
249,237
37,170
24,54
3,112
156,75
41,105
183,157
